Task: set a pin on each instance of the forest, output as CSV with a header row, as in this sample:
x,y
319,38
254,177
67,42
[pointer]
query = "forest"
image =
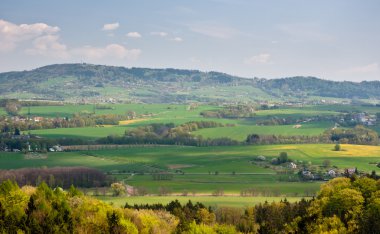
x,y
343,205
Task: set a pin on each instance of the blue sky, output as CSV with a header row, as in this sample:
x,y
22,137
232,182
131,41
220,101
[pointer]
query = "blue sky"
x,y
330,39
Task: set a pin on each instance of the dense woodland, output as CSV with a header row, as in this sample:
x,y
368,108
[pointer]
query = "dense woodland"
x,y
343,205
62,177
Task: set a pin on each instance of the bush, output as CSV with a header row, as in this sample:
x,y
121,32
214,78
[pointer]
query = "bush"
x,y
260,158
337,147
118,189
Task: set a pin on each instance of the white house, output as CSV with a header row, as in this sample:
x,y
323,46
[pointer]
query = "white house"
x,y
292,165
331,173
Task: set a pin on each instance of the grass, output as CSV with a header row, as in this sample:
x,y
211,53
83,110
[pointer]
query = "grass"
x,y
206,169
200,159
345,108
240,132
230,184
295,112
199,165
86,132
178,114
161,110
232,201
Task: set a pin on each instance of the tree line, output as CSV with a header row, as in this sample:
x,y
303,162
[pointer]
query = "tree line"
x,y
357,135
57,177
343,205
10,125
232,111
169,134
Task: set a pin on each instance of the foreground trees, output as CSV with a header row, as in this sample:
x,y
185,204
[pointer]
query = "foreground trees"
x,y
344,205
43,210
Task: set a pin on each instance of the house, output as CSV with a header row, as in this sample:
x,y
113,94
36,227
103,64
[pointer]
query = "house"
x,y
292,165
308,175
55,148
350,171
38,119
131,191
331,173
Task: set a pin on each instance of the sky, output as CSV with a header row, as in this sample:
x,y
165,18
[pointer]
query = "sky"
x,y
329,39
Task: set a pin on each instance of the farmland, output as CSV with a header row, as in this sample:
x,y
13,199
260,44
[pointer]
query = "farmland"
x,y
205,169
199,159
241,131
200,172
234,201
179,114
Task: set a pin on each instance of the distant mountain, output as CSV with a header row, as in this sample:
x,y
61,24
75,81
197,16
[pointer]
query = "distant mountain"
x,y
78,82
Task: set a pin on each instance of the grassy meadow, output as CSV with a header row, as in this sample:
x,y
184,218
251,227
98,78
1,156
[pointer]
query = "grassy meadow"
x,y
200,171
224,159
206,169
242,130
233,201
179,114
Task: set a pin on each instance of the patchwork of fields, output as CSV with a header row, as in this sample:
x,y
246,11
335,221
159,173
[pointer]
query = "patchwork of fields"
x,y
200,171
205,169
179,114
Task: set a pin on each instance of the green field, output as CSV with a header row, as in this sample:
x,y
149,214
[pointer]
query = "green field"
x,y
158,110
233,165
241,131
203,170
234,201
262,184
179,114
225,159
86,132
238,132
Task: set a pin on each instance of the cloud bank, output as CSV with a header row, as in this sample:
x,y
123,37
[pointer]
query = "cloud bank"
x,y
41,39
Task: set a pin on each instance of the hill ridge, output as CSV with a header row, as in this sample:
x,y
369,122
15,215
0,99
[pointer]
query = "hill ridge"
x,y
73,81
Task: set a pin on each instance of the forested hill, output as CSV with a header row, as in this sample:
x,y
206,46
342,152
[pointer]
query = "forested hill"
x,y
77,82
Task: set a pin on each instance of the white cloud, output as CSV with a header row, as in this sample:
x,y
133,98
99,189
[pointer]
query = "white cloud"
x,y
11,35
161,34
49,46
110,27
134,35
44,40
177,39
213,30
258,59
369,68
110,51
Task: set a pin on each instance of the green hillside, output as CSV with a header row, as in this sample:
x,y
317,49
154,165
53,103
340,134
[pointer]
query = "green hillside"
x,y
98,83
